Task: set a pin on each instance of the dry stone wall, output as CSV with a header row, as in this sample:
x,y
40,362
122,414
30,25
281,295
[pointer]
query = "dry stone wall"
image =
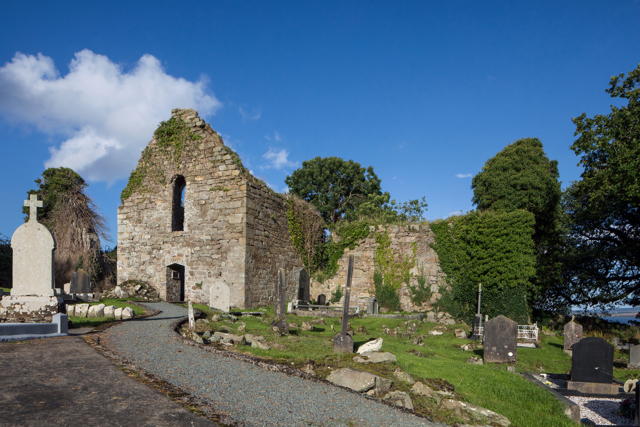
x,y
235,228
402,240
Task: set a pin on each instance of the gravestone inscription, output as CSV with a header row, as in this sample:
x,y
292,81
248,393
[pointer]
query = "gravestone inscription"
x,y
343,342
500,340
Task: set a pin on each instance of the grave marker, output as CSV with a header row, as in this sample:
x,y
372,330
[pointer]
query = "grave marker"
x,y
572,334
220,296
634,357
192,320
500,340
279,320
80,283
343,342
592,367
372,305
322,299
301,280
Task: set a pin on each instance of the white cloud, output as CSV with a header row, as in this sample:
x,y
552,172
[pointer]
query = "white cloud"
x,y
103,114
254,115
278,159
463,175
276,136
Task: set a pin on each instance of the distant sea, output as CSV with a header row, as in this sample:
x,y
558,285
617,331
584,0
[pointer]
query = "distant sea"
x,y
621,319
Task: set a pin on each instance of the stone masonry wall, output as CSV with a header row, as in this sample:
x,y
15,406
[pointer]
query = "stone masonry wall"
x,y
362,286
227,223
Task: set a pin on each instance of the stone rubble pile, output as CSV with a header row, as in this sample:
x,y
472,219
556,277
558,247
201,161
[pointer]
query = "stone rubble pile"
x,y
134,289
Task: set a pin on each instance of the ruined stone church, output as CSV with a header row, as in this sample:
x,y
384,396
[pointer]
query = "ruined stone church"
x,y
192,215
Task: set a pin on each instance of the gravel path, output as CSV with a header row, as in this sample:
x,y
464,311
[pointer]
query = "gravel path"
x,y
250,395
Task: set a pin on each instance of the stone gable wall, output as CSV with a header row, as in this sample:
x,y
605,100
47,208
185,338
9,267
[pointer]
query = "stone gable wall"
x,y
229,233
362,286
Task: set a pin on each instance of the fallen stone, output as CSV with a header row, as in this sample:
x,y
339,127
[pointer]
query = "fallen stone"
x,y
363,330
260,345
469,347
307,326
374,345
308,369
128,313
118,313
206,334
110,311
354,379
71,310
434,332
318,322
420,389
82,310
474,360
193,336
375,357
399,398
460,333
403,376
475,414
250,338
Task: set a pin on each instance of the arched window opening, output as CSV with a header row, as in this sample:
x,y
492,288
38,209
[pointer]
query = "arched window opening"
x,y
177,216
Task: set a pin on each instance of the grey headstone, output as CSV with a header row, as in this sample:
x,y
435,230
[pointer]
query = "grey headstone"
x,y
322,299
301,281
343,342
592,361
572,334
80,283
634,356
220,296
372,305
500,340
280,304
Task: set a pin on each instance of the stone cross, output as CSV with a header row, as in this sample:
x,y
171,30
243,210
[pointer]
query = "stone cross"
x,y
343,342
192,320
33,203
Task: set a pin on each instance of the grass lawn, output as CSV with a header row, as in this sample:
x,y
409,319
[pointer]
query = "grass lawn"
x,y
442,361
92,322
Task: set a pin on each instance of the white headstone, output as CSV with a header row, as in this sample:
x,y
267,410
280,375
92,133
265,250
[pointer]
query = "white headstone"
x,y
192,320
219,296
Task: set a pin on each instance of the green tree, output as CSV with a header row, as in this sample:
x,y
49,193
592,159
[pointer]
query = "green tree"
x,y
76,225
521,176
335,187
603,208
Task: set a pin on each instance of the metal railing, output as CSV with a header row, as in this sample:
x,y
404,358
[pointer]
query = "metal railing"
x,y
525,332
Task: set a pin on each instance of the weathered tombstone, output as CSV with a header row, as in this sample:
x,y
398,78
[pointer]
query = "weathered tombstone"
x,y
220,296
301,280
592,367
572,334
322,299
634,357
500,340
343,342
32,296
279,320
477,324
192,320
80,283
372,305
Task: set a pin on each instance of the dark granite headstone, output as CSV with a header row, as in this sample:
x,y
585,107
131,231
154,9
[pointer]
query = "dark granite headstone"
x,y
280,305
372,305
322,299
80,283
500,340
572,334
592,361
301,280
343,342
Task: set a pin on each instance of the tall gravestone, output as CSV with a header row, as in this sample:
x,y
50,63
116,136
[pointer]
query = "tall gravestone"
x,y
220,297
572,334
80,283
32,297
301,281
634,357
372,305
500,340
592,367
279,323
343,342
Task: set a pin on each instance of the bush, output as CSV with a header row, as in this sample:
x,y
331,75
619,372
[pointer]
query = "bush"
x,y
386,294
336,295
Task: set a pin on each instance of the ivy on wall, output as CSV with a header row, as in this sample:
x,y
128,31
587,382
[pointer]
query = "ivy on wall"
x,y
495,249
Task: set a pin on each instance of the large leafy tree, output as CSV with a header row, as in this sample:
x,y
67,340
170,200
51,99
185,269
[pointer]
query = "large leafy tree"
x,y
336,187
521,176
76,225
603,208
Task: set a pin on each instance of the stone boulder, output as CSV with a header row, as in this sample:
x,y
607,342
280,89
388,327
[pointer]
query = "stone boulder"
x,y
374,345
128,313
403,376
475,415
375,357
118,313
82,310
475,360
192,335
399,398
135,289
110,311
460,333
307,326
434,332
359,381
260,345
71,310
420,389
96,311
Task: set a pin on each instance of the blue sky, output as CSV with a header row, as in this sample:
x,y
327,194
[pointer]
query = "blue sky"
x,y
425,92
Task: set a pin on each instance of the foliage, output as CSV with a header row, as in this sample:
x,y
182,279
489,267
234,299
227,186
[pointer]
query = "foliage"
x,y
491,248
334,186
76,225
336,295
6,262
306,228
380,210
395,268
603,208
386,295
421,293
522,177
349,235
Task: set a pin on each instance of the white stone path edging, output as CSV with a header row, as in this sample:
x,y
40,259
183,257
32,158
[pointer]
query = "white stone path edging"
x,y
100,310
